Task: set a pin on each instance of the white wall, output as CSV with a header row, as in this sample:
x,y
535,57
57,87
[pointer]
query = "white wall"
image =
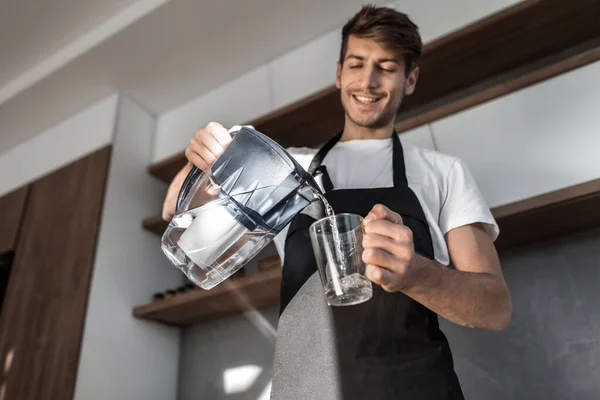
x,y
122,357
533,141
59,145
239,100
299,73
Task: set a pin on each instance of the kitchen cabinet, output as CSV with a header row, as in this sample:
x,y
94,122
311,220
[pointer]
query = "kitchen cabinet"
x,y
12,206
41,324
11,213
530,142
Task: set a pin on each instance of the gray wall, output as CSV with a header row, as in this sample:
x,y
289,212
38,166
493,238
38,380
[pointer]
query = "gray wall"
x,y
211,351
549,351
551,348
214,354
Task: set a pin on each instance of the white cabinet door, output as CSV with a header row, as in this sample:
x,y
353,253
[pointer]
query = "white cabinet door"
x,y
542,138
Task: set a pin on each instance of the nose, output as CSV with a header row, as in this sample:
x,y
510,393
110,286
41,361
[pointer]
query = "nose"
x,y
370,78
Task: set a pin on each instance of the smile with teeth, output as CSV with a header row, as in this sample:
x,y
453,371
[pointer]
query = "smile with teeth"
x,y
365,99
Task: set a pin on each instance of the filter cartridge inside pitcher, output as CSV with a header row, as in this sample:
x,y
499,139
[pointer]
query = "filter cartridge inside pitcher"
x,y
210,244
212,232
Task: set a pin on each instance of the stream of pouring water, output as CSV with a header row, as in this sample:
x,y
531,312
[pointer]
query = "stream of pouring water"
x,y
337,245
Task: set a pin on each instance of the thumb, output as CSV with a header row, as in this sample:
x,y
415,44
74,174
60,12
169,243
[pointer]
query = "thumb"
x,y
379,211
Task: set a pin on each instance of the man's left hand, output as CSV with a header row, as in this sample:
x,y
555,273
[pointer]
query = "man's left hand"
x,y
389,252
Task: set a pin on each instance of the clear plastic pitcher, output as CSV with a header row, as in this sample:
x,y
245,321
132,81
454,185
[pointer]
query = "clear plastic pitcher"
x,y
227,214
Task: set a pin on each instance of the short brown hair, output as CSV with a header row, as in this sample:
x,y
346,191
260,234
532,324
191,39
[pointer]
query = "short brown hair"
x,y
390,28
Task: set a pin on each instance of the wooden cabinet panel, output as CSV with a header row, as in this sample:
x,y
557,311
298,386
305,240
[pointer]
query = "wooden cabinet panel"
x,y
11,213
44,309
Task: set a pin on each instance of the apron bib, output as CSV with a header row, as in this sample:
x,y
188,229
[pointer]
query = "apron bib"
x,y
389,347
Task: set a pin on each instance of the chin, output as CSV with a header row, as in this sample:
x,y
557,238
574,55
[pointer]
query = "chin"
x,y
369,123
374,120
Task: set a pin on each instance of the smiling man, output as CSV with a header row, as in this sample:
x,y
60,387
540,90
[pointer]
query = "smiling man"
x,y
428,243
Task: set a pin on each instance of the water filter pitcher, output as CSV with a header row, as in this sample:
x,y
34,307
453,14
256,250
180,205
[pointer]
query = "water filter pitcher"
x,y
227,214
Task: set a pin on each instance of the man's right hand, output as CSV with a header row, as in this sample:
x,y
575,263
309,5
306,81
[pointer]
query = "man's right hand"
x,y
205,147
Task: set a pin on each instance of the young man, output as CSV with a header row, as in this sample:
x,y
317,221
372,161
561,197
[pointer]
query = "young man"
x,y
428,239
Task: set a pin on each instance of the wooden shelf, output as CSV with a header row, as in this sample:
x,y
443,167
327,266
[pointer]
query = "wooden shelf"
x,y
521,223
507,51
561,212
231,297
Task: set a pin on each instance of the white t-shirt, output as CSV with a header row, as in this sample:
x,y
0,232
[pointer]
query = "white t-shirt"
x,y
443,184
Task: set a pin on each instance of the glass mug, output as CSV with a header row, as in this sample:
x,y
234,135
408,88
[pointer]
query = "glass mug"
x,y
337,244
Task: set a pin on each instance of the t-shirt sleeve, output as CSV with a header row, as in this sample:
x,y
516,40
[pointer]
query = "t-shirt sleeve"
x,y
463,203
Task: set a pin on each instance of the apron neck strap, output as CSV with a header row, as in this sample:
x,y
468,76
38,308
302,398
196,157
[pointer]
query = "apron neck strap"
x,y
320,156
399,168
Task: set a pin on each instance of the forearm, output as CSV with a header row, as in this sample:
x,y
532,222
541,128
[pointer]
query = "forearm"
x,y
477,300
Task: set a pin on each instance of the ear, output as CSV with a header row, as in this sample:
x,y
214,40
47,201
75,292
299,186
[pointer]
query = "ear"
x,y
338,76
411,81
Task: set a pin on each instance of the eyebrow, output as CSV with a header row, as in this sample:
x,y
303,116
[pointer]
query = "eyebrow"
x,y
379,61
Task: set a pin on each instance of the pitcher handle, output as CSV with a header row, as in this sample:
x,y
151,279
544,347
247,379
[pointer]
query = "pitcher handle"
x,y
196,173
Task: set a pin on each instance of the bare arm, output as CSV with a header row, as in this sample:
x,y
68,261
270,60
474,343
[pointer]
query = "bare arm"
x,y
472,294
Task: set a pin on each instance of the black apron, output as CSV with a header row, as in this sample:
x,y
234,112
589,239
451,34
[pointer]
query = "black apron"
x,y
389,347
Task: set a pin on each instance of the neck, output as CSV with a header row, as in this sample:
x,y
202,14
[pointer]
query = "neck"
x,y
355,132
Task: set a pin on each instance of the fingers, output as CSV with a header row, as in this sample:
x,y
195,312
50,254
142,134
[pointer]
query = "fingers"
x,y
387,244
381,277
380,211
199,155
211,143
386,258
204,151
380,258
207,145
383,212
218,132
400,234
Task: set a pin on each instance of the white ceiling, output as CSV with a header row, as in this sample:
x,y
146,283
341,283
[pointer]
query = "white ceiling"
x,y
31,31
176,51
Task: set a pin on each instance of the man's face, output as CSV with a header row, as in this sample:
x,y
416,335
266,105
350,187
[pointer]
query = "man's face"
x,y
373,83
